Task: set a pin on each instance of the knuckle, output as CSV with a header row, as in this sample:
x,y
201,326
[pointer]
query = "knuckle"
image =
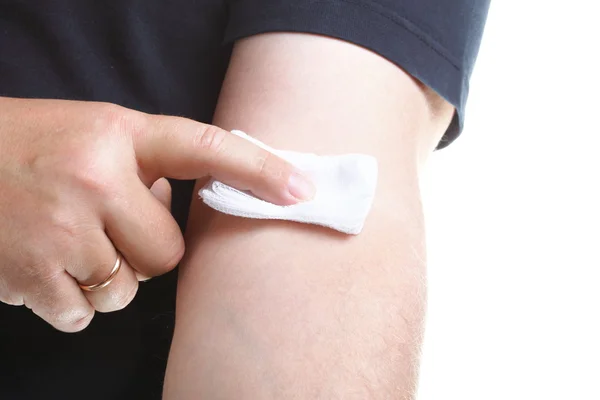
x,y
43,277
96,181
271,168
58,310
63,225
209,138
111,117
94,172
74,320
49,300
115,120
262,163
69,230
9,296
12,299
128,296
95,164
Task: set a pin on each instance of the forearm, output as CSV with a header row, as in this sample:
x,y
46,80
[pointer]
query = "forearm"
x,y
274,310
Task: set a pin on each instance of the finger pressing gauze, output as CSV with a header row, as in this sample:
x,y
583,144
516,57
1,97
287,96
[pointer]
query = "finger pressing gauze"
x,y
184,149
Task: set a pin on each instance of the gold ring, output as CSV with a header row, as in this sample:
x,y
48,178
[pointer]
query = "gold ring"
x,y
107,281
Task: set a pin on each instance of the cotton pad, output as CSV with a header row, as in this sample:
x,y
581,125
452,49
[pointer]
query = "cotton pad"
x,y
345,188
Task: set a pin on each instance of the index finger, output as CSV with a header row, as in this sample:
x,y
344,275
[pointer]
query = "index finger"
x,y
180,148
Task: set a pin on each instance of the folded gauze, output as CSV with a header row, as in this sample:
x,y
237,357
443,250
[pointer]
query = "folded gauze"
x,y
345,187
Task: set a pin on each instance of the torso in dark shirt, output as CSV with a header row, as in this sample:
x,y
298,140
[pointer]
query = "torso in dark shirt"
x,y
165,58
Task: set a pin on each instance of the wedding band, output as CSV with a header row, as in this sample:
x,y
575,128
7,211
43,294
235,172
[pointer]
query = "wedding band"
x,y
107,281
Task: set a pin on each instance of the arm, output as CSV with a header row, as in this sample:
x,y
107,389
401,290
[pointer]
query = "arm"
x,y
278,310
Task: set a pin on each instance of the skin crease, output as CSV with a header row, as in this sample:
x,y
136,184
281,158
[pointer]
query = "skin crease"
x,y
281,310
75,179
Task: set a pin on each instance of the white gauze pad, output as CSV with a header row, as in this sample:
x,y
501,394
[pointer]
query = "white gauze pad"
x,y
345,187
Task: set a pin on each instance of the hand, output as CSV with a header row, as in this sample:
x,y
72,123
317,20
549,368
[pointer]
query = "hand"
x,y
75,179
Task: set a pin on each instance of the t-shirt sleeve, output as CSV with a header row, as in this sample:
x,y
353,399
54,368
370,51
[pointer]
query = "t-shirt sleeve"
x,y
436,41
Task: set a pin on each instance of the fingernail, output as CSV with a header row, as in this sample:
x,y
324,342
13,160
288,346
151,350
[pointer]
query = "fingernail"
x,y
301,187
142,278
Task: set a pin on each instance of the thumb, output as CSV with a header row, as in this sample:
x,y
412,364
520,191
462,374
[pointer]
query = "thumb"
x,y
161,189
184,149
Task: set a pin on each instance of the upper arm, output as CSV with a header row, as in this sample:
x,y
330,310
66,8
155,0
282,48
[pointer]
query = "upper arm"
x,y
273,309
435,41
303,92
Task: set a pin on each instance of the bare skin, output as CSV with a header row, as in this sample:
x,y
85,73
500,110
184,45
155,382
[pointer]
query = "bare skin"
x,y
280,310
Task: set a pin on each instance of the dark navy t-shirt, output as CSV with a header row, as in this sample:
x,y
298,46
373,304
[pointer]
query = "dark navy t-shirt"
x,y
170,57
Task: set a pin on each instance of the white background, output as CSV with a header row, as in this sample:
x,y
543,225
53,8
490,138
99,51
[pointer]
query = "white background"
x,y
513,216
